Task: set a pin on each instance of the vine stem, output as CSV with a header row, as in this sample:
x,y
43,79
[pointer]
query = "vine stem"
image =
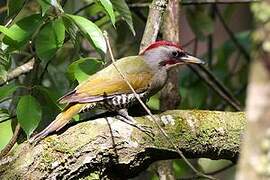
x,y
11,143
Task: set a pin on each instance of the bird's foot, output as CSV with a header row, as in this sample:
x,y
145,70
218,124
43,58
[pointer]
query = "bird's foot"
x,y
143,128
147,130
125,117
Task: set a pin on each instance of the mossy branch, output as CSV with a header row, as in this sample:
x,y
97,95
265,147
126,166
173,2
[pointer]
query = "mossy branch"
x,y
109,147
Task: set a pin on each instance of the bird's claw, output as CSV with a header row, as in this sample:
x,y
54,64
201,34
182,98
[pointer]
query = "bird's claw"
x,y
143,128
146,129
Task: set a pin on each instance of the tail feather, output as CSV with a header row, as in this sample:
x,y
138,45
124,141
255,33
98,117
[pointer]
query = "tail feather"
x,y
60,121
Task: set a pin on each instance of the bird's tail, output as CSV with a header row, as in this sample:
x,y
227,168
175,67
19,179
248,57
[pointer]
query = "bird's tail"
x,y
60,121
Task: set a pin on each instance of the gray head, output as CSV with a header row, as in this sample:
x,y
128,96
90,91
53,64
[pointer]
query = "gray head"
x,y
165,54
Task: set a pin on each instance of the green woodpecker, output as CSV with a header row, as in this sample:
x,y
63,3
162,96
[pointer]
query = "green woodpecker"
x,y
147,73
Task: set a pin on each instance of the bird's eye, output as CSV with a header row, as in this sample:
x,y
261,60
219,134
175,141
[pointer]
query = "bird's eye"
x,y
178,54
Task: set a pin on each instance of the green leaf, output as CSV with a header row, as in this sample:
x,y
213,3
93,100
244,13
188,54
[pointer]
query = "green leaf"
x,y
225,51
7,90
3,115
228,12
208,165
4,65
154,102
4,58
18,34
3,73
45,5
49,106
90,31
180,168
51,96
200,22
28,114
122,7
97,11
195,97
72,30
49,39
6,133
107,5
14,7
49,92
83,68
7,32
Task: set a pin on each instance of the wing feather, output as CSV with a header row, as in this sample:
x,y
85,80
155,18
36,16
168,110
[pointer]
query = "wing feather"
x,y
109,82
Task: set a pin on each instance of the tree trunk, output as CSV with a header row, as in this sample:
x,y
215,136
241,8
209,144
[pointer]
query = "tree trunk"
x,y
255,162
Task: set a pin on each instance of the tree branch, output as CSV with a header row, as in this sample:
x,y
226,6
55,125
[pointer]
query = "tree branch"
x,y
210,79
11,142
87,149
198,2
156,11
25,68
232,36
194,2
170,97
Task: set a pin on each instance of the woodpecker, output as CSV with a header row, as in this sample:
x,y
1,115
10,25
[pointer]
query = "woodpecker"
x,y
106,89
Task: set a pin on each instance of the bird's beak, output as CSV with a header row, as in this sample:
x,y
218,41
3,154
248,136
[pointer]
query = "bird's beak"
x,y
188,59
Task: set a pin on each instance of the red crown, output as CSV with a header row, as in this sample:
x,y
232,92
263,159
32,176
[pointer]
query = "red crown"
x,y
161,43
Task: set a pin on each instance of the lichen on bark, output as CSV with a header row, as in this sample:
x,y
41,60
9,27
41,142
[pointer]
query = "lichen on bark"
x,y
109,147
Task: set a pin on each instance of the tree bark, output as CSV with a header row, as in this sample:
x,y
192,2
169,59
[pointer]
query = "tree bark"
x,y
156,11
254,162
170,97
110,148
25,68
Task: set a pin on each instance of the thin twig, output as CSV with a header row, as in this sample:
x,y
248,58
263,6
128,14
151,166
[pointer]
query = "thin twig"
x,y
137,11
189,42
9,118
210,39
151,116
45,69
231,34
83,8
153,23
5,99
242,89
63,3
235,64
221,169
197,2
209,173
25,68
216,85
195,48
11,143
9,21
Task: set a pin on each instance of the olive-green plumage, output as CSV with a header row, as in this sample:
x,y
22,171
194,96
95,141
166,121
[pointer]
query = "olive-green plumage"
x,y
108,81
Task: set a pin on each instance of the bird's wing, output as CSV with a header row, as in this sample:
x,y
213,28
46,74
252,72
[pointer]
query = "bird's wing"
x,y
109,82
